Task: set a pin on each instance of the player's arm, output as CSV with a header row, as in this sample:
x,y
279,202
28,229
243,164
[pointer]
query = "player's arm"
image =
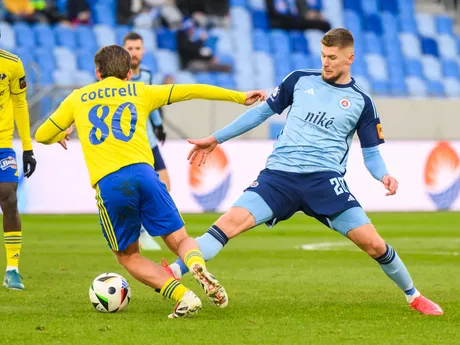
x,y
168,94
54,128
247,121
370,135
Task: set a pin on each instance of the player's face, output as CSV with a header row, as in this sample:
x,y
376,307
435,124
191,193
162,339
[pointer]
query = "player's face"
x,y
136,49
336,62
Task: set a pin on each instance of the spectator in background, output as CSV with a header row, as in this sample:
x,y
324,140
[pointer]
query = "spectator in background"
x,y
78,11
195,55
156,12
295,15
207,13
32,11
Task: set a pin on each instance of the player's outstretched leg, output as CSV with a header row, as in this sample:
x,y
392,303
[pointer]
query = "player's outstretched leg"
x,y
12,234
367,238
188,250
154,276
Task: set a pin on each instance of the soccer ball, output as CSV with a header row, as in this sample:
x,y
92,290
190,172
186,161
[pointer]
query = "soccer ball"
x,y
109,293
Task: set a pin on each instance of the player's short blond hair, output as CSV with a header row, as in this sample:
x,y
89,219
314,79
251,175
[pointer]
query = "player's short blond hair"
x,y
341,38
113,61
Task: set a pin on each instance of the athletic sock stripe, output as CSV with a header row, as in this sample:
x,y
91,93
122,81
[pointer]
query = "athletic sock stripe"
x,y
192,254
170,288
218,234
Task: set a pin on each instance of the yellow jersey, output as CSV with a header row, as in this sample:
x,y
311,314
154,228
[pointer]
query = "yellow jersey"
x,y
111,118
13,102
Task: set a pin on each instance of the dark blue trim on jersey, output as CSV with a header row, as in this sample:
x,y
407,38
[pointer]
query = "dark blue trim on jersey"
x,y
342,86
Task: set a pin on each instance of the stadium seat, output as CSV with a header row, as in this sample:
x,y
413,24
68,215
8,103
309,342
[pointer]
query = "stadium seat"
x,y
298,42
389,6
85,60
259,5
429,46
447,46
300,61
105,35
263,64
65,59
416,87
85,38
450,68
166,39
63,77
66,37
44,36
150,61
410,45
240,19
352,21
168,62
398,88
373,24
452,87
120,32
390,25
279,41
431,68
408,25
26,56
24,35
444,25
150,40
103,14
260,20
370,7
8,39
405,7
414,68
242,3
373,44
380,87
206,78
333,12
45,60
376,68
260,41
313,38
224,44
83,78
426,24
362,82
225,80
354,5
184,77
435,88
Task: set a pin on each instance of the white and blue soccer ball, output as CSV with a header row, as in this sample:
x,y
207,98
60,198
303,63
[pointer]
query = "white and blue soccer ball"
x,y
109,293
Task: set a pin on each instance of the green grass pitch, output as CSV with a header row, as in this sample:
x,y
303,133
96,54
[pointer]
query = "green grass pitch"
x,y
279,293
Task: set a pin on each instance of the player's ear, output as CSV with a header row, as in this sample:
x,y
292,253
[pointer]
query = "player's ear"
x,y
129,75
98,75
351,58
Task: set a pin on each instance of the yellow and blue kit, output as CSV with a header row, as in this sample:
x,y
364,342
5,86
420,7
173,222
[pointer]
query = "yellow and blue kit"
x,y
13,108
110,117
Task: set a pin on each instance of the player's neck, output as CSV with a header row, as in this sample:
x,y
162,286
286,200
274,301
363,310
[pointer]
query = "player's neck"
x,y
344,79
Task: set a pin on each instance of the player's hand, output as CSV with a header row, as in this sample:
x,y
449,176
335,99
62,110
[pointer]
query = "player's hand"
x,y
68,132
201,150
160,134
391,184
254,96
28,162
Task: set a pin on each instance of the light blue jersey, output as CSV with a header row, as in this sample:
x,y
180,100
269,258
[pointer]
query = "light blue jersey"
x,y
321,123
146,76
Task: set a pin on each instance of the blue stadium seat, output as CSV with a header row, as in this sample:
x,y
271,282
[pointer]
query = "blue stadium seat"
x,y
8,40
435,88
431,68
373,43
120,32
410,45
352,21
333,12
168,62
149,38
279,41
65,59
261,41
390,6
282,66
408,24
63,77
105,35
85,38
104,14
373,24
370,7
85,60
66,37
26,56
444,25
263,64
390,25
426,24
396,71
354,5
259,5
206,78
362,82
24,35
380,87
242,3
398,88
150,61
452,87
166,39
83,78
298,42
224,45
313,38
45,60
240,19
406,7
416,87
429,46
300,61
225,80
447,46
359,67
44,35
184,77
260,20
413,68
450,68
315,4
225,59
376,67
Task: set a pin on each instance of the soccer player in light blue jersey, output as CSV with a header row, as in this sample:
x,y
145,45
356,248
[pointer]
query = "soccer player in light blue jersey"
x,y
134,44
306,170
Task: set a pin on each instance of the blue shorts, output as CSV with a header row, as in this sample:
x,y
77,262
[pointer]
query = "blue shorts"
x,y
322,195
8,166
132,196
159,163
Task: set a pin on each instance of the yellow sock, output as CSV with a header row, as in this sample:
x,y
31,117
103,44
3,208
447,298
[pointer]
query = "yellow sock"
x,y
194,257
174,290
13,241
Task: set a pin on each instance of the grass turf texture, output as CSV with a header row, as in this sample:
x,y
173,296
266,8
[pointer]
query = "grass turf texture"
x,y
279,294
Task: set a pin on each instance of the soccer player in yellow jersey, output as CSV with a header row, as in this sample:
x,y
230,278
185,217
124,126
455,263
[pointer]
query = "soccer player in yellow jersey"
x,y
13,108
111,117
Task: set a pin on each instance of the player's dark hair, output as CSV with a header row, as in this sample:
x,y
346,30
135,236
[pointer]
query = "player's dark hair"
x,y
132,36
113,61
339,37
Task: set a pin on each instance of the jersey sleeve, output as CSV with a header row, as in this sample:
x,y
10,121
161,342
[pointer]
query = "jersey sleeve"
x,y
157,96
18,82
369,128
283,95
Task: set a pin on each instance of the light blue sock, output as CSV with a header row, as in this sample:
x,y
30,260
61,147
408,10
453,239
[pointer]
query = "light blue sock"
x,y
211,243
395,269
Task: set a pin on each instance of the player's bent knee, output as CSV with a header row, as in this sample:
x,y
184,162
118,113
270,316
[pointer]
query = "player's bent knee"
x,y
9,204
